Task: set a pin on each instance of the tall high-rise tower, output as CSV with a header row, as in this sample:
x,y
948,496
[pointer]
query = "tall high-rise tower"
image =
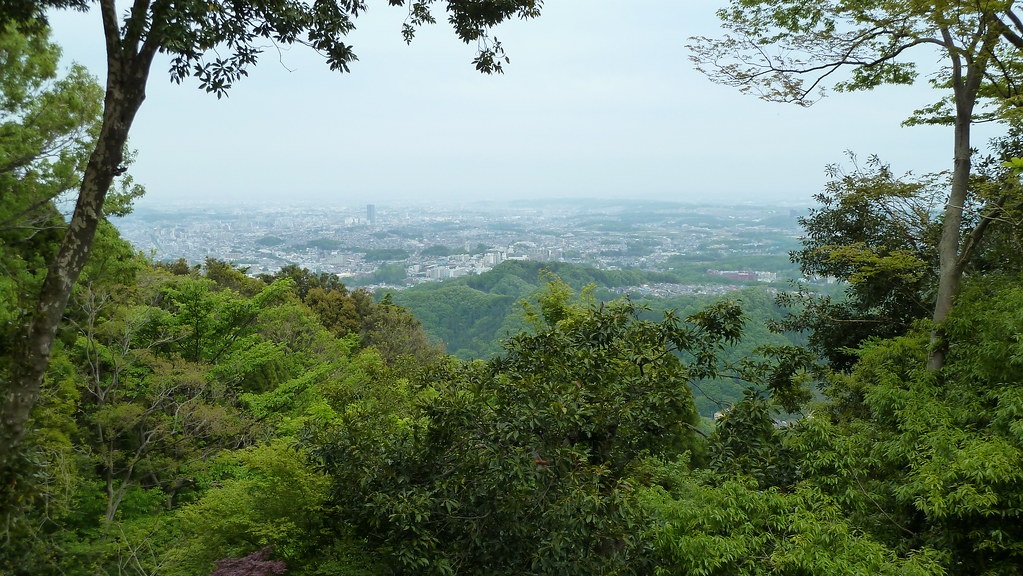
x,y
371,213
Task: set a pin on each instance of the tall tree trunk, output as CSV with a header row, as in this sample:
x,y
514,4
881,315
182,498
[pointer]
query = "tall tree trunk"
x,y
127,73
965,84
949,270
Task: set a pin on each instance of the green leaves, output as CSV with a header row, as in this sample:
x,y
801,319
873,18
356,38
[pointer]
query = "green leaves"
x,y
525,463
877,233
705,527
190,31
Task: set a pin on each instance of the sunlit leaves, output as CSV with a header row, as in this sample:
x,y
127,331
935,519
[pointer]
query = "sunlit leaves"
x,y
917,457
704,527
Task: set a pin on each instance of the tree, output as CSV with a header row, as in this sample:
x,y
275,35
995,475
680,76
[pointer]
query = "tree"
x,y
46,125
922,462
876,233
525,463
704,525
305,280
787,51
216,42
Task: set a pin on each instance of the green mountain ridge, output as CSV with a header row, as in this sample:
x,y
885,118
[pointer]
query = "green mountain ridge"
x,y
472,316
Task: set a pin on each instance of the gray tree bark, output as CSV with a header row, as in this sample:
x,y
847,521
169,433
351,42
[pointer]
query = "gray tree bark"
x,y
967,74
128,64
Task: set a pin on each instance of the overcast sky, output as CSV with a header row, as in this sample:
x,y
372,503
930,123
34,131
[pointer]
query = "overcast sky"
x,y
600,100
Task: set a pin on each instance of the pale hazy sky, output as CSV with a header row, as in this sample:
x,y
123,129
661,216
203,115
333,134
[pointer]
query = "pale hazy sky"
x,y
600,100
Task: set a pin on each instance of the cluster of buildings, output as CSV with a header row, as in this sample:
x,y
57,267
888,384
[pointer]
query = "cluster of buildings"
x,y
437,242
745,275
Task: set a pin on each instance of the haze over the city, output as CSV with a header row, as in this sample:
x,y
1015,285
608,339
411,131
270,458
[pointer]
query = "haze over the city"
x,y
599,100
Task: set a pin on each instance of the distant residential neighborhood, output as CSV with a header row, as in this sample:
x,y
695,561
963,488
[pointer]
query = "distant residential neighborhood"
x,y
403,245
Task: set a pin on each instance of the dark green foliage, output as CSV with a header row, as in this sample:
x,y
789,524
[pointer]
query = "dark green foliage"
x,y
473,315
233,421
269,241
575,275
875,233
305,280
392,273
746,359
195,414
442,250
383,254
468,321
693,268
336,309
320,244
396,333
522,464
747,442
228,276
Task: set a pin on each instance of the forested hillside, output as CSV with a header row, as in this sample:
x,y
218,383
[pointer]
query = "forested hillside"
x,y
473,316
163,419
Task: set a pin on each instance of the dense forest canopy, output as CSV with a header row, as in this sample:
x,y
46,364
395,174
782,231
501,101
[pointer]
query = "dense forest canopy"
x,y
197,420
216,43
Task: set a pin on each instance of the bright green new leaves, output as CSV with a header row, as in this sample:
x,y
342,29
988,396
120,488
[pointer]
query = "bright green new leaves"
x,y
705,527
262,496
215,323
923,461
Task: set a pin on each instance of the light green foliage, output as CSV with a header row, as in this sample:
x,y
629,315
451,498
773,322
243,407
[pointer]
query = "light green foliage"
x,y
391,329
919,459
46,124
262,496
145,390
705,527
36,507
215,322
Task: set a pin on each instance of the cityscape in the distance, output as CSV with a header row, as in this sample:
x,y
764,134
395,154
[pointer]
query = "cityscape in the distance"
x,y
403,245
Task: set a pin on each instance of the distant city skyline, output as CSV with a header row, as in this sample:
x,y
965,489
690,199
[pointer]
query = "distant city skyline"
x,y
599,101
432,243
